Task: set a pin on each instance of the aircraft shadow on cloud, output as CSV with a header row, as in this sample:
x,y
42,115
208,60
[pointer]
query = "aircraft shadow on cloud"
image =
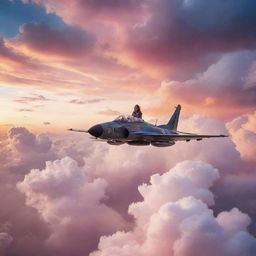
x,y
135,131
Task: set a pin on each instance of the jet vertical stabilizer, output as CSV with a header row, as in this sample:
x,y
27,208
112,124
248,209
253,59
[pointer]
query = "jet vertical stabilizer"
x,y
173,122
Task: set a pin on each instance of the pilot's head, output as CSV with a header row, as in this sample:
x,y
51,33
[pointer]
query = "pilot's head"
x,y
136,108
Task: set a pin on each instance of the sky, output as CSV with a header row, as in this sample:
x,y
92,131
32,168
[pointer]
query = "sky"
x,y
75,63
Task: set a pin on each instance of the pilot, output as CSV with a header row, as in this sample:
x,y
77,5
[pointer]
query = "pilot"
x,y
137,112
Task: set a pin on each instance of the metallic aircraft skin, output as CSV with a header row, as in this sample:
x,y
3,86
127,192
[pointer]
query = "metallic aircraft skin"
x,y
137,132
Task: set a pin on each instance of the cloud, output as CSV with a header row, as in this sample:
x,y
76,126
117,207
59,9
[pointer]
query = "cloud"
x,y
5,242
32,98
243,134
179,224
109,112
46,123
11,56
54,59
43,39
81,101
185,179
65,205
20,153
115,54
222,86
94,11
172,26
25,110
72,190
70,202
7,125
147,35
137,164
24,231
24,141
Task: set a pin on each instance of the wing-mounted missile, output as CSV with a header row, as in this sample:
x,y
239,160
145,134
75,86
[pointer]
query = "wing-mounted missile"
x,y
138,143
115,142
162,143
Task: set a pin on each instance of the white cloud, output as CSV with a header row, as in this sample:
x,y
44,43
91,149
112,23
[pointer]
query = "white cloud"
x,y
71,202
243,134
174,219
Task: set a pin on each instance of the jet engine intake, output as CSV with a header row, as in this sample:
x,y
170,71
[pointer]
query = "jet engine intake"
x,y
120,132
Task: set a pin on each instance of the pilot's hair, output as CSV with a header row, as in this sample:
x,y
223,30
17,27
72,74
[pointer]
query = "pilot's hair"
x,y
137,107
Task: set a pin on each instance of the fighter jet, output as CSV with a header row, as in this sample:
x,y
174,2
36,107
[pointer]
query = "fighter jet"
x,y
136,132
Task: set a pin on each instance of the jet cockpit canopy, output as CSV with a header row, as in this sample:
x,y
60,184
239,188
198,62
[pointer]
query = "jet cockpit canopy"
x,y
128,119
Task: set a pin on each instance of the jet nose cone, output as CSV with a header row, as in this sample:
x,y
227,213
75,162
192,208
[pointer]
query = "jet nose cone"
x,y
96,130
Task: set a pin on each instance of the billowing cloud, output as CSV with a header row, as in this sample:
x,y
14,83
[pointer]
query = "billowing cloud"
x,y
70,58
71,203
72,190
169,222
120,47
22,230
184,37
137,164
84,12
24,141
43,39
225,84
243,134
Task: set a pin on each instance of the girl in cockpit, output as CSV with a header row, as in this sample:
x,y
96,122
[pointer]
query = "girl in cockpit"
x,y
137,112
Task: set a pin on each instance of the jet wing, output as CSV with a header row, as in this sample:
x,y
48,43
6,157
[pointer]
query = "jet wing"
x,y
149,136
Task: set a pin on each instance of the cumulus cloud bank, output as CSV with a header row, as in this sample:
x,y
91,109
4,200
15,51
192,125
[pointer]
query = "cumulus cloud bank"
x,y
174,219
66,195
70,195
243,132
71,203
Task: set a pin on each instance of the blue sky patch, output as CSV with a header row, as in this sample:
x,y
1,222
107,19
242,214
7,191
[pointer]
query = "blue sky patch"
x,y
15,13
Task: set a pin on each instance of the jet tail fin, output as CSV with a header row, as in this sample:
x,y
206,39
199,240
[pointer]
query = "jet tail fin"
x,y
173,122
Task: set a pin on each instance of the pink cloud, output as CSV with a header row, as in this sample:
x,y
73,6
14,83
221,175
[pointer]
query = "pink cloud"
x,y
84,12
32,98
81,101
109,112
244,135
185,37
72,191
24,141
179,224
71,203
220,91
158,42
5,242
70,41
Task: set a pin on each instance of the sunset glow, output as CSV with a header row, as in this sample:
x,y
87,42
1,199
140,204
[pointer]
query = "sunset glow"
x,y
77,63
